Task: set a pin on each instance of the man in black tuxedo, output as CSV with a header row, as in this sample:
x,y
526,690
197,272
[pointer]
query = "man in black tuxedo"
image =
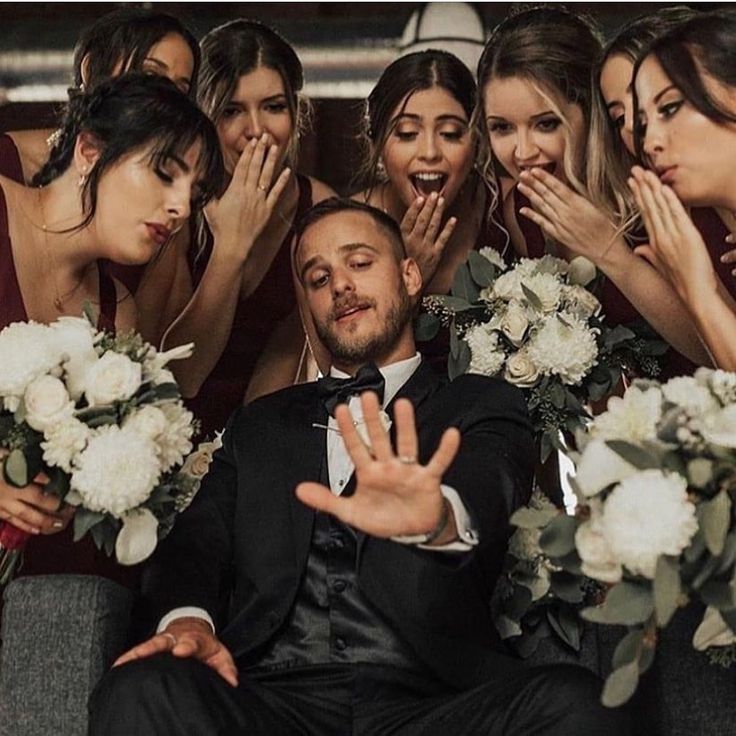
x,y
358,601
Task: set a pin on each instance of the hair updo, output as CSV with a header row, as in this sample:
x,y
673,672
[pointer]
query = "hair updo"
x,y
130,113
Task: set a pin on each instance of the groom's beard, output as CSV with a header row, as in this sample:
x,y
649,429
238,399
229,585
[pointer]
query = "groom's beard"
x,y
355,349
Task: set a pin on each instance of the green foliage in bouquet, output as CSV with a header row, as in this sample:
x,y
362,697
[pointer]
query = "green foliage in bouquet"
x,y
654,525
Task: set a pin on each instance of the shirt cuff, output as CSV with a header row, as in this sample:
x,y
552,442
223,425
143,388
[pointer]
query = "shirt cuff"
x,y
467,536
184,612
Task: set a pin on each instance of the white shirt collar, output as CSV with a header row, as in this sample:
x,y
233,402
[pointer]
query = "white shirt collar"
x,y
395,375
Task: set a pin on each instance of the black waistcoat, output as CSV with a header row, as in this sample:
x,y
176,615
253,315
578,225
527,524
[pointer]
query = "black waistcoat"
x,y
331,621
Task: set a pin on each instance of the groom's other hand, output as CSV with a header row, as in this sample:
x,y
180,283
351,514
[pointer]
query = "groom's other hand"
x,y
187,637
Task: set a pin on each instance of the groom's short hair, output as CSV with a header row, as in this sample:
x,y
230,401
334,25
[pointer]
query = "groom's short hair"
x,y
335,205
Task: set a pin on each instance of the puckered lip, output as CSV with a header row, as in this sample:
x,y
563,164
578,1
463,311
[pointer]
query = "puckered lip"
x,y
160,233
666,173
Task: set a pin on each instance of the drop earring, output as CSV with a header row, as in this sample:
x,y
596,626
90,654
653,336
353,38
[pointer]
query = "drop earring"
x,y
82,178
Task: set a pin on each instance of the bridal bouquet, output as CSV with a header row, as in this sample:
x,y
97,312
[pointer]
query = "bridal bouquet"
x,y
102,417
655,482
536,326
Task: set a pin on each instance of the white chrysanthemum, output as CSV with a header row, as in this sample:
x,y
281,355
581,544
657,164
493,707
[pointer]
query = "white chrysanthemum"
x,y
116,472
599,467
175,442
723,385
719,427
632,418
645,516
485,356
63,442
547,287
148,421
566,348
686,392
581,271
27,352
492,255
546,264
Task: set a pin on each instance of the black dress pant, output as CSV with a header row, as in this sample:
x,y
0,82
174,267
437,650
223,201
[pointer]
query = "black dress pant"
x,y
167,696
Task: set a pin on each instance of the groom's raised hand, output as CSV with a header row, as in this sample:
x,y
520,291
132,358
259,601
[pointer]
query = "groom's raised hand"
x,y
394,495
187,637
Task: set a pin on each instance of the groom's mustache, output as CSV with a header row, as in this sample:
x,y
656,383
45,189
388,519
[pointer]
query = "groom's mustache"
x,y
340,307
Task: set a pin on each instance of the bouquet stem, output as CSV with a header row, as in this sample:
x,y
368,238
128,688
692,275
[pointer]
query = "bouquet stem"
x,y
12,543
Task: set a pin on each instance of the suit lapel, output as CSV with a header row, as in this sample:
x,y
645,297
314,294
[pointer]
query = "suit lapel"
x,y
311,443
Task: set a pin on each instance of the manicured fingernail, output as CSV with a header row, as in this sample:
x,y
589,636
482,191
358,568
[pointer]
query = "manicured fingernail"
x,y
34,530
58,524
441,200
420,200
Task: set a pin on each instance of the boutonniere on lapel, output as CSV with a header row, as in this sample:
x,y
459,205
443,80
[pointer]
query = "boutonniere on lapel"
x,y
359,425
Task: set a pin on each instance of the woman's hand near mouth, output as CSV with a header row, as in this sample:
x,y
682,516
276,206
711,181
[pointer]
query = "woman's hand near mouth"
x,y
424,242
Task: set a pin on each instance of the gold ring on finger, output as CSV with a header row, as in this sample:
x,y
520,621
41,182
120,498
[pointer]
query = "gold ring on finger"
x,y
263,188
407,459
170,636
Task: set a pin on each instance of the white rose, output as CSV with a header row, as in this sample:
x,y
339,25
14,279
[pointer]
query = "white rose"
x,y
581,302
719,427
148,421
114,377
27,352
581,270
198,463
514,323
47,403
508,286
521,371
598,561
648,515
74,338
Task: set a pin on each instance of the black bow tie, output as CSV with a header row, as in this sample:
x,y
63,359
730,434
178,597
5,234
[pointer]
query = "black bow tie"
x,y
334,391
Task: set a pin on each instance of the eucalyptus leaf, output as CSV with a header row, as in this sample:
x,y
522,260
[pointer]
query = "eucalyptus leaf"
x,y
715,519
556,395
459,365
481,269
626,603
58,482
84,520
519,602
455,303
620,685
628,649
567,628
567,587
719,594
616,336
463,285
15,469
635,455
426,327
531,297
558,538
666,588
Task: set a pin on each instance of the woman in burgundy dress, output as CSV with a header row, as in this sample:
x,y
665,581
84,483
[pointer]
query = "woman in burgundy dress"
x,y
127,163
233,272
684,98
128,39
601,224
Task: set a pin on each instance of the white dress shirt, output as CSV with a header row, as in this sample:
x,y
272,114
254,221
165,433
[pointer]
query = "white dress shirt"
x,y
341,468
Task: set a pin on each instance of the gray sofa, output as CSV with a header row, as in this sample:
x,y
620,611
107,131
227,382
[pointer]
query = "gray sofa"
x,y
60,634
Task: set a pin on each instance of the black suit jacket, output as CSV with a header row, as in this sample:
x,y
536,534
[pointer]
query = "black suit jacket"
x,y
246,519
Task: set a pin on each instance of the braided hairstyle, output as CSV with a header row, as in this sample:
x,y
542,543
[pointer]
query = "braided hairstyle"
x,y
122,40
130,113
